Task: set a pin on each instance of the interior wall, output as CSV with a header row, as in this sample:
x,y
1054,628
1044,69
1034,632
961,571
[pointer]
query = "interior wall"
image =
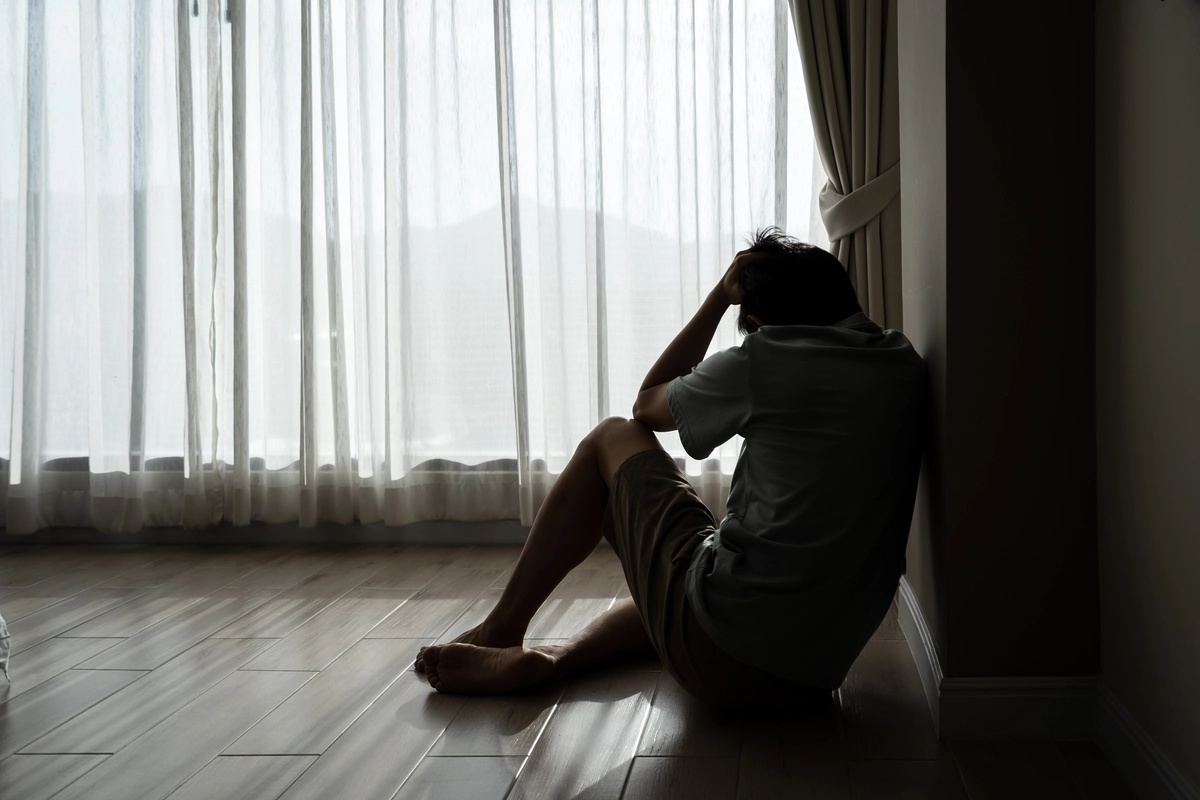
x,y
1148,370
998,202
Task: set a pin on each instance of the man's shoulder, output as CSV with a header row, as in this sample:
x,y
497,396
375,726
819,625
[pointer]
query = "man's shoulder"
x,y
797,341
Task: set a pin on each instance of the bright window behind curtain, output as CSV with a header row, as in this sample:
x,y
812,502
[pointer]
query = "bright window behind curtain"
x,y
368,260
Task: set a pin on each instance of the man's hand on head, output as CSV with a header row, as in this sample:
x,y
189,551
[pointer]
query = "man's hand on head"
x,y
687,349
730,287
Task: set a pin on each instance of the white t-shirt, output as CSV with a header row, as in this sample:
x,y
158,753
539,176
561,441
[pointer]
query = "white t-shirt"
x,y
804,566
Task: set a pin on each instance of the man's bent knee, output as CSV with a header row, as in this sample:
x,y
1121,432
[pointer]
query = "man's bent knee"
x,y
611,432
610,426
615,439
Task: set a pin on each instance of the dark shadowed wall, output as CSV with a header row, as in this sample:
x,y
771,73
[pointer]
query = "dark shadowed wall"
x,y
997,145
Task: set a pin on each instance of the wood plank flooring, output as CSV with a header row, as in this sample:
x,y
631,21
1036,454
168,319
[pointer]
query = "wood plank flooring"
x,y
263,673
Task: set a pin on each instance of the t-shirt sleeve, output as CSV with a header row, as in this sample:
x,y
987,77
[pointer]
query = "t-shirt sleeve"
x,y
712,402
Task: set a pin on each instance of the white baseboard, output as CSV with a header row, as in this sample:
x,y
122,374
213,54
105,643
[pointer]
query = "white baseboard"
x,y
924,652
1134,754
258,534
995,708
1044,709
1039,708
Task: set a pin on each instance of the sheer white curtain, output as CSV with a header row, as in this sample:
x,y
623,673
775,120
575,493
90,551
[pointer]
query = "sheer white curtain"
x,y
320,261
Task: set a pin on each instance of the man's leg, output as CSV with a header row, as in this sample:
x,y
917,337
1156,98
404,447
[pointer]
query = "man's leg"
x,y
567,528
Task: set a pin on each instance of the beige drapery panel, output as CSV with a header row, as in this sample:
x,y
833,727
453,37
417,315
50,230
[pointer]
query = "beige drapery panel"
x,y
848,49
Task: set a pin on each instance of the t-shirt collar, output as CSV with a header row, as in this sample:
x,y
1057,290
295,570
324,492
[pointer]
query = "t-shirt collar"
x,y
859,322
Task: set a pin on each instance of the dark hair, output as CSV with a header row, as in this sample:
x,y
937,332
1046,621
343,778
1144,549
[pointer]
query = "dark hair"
x,y
793,283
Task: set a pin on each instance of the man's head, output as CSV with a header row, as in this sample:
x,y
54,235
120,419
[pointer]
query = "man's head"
x,y
789,282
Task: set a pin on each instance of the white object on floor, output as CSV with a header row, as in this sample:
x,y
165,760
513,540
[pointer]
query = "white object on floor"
x,y
5,648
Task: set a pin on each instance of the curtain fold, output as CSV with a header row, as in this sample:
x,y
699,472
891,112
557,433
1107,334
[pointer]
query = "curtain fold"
x,y
366,261
848,49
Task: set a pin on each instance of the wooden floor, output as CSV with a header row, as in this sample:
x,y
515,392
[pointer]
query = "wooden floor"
x,y
224,673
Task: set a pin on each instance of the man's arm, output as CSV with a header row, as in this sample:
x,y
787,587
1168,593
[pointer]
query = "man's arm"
x,y
685,351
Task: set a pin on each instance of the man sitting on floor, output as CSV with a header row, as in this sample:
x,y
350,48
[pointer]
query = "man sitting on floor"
x,y
771,606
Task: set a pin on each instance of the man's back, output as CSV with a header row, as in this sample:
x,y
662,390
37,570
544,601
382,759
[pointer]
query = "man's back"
x,y
806,561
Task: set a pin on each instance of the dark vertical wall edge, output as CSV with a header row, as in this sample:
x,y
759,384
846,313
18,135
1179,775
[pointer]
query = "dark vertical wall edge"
x,y
997,137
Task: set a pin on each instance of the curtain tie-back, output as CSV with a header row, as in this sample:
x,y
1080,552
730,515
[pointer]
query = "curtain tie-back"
x,y
843,214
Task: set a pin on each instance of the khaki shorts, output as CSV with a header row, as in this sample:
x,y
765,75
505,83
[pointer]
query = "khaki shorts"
x,y
654,522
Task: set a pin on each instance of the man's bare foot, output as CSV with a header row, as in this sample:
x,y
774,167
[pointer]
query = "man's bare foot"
x,y
469,669
477,636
